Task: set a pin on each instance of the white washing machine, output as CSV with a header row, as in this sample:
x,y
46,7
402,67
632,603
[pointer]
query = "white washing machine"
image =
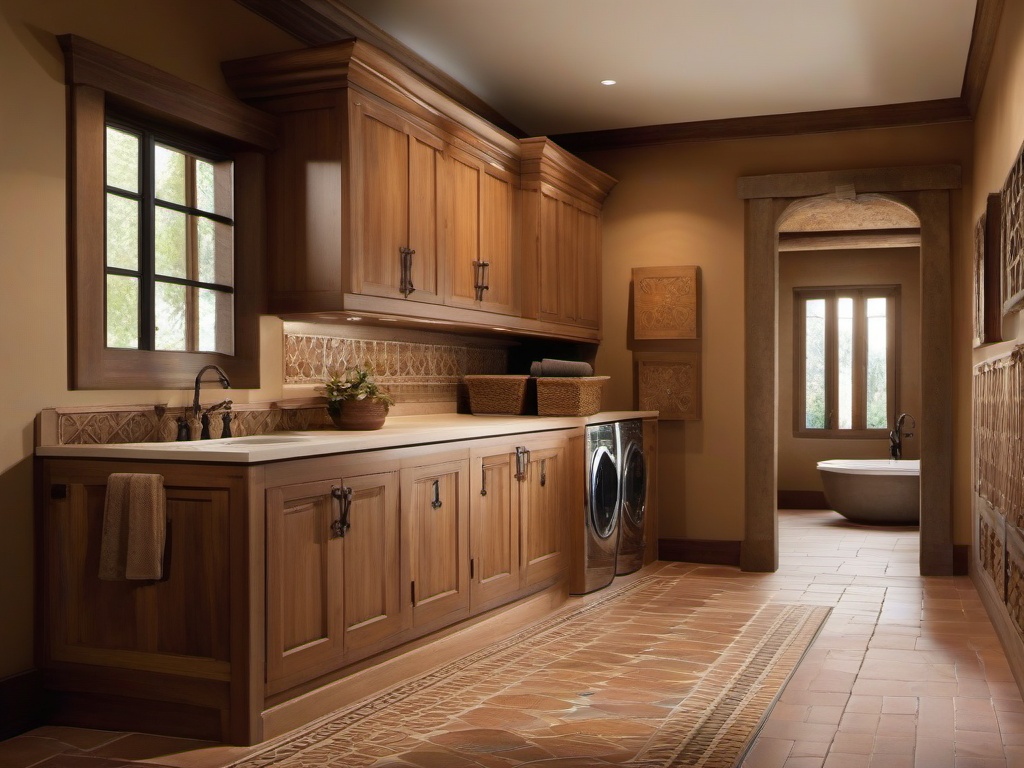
x,y
632,496
601,508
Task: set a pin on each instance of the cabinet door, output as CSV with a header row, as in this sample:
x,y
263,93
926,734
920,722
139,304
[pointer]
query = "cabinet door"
x,y
479,215
588,269
544,515
372,572
305,631
435,509
550,283
495,563
395,186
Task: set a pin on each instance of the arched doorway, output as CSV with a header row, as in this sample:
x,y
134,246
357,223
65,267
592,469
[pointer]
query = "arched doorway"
x,y
926,192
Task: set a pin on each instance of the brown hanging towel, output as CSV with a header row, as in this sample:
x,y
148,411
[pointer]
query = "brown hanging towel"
x,y
134,527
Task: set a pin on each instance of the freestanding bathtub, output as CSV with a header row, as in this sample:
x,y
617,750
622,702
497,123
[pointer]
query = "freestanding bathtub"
x,y
873,491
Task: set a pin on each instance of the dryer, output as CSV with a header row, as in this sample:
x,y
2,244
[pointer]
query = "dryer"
x,y
601,509
632,495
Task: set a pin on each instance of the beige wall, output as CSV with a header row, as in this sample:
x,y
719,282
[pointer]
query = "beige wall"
x,y
187,38
803,269
999,133
677,204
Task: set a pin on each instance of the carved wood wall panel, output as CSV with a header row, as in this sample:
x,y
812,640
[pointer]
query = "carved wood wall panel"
x,y
1013,237
998,425
666,302
670,384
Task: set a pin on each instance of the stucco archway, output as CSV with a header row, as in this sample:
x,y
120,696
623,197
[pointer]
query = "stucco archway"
x,y
926,192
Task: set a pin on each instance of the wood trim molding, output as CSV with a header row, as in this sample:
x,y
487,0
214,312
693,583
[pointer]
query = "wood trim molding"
x,y
824,121
316,22
22,703
709,552
170,98
844,240
888,180
987,16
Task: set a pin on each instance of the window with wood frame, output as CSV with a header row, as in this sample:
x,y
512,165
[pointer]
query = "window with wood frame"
x,y
846,373
166,225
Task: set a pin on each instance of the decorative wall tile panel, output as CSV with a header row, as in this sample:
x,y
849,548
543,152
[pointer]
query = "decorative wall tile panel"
x,y
992,550
670,384
998,426
1013,237
666,302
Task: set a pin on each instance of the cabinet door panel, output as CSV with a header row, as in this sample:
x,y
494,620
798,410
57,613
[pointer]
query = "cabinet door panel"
x,y
176,623
497,247
462,225
438,526
304,580
384,193
494,529
424,231
569,285
550,284
544,515
373,578
588,265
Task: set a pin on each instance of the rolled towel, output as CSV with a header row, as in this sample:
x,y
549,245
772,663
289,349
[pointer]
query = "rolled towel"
x,y
134,527
551,367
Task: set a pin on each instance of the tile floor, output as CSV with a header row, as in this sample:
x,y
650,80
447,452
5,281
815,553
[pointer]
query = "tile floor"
x,y
907,671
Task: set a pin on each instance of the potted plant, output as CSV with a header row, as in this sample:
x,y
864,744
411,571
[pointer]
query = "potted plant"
x,y
355,401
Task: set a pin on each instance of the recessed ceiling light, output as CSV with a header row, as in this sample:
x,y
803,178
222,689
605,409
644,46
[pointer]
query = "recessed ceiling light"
x,y
607,82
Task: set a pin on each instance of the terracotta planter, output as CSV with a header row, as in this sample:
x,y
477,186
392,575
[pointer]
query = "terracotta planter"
x,y
358,414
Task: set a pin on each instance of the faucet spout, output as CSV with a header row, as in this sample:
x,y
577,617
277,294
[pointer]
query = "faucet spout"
x,y
221,376
897,434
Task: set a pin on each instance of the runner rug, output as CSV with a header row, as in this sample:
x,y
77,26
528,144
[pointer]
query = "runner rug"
x,y
666,671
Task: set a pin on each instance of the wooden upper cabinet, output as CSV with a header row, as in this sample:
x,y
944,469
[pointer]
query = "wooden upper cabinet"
x,y
386,197
395,171
561,236
481,236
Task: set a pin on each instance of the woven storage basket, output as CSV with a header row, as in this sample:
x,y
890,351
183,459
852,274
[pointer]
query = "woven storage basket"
x,y
569,396
497,394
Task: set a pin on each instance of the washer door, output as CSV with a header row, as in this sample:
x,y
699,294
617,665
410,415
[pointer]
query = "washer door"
x,y
604,493
634,485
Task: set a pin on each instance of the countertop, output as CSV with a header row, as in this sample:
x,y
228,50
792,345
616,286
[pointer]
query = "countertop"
x,y
397,431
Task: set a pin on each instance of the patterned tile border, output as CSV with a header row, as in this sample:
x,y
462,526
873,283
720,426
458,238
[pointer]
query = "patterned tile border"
x,y
652,674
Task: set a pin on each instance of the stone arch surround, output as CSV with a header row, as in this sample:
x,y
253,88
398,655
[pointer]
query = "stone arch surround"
x,y
926,191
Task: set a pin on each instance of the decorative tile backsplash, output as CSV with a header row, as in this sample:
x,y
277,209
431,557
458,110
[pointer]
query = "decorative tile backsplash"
x,y
410,371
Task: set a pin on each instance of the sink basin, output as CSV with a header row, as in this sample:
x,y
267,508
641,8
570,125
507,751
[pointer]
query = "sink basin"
x,y
263,439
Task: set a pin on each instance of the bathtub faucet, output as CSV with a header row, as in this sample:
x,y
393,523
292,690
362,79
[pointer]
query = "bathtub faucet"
x,y
896,435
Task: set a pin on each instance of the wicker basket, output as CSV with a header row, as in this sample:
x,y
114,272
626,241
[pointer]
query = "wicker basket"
x,y
497,394
569,396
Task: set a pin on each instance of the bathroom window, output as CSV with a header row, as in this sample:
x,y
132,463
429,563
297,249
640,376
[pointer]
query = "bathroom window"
x,y
845,375
166,212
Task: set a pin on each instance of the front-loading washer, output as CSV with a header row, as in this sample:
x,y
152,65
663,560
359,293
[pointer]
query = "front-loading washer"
x,y
632,495
601,508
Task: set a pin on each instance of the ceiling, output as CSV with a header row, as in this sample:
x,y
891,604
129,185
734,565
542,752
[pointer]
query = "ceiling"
x,y
685,69
540,62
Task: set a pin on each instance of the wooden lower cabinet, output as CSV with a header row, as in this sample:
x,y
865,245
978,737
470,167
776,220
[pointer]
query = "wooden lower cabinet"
x,y
436,540
651,511
518,520
333,574
282,577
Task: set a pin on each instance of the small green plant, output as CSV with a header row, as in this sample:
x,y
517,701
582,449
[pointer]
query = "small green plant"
x,y
356,384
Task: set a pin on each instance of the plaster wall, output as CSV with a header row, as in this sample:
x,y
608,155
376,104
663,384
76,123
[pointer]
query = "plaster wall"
x,y
677,204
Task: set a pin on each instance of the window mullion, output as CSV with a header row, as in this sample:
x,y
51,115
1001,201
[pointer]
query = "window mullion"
x,y
860,361
147,245
192,258
832,358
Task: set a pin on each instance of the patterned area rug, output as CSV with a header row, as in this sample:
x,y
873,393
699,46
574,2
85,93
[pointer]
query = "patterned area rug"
x,y
658,673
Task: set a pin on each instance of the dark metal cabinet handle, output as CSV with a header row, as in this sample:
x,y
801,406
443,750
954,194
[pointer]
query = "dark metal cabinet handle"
x,y
480,282
406,286
521,454
543,472
436,503
483,480
343,502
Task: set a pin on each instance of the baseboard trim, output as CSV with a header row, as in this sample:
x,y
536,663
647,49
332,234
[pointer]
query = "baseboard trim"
x,y
802,500
705,551
22,703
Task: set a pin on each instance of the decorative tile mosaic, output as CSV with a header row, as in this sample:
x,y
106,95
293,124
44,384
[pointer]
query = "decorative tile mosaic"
x,y
409,371
654,674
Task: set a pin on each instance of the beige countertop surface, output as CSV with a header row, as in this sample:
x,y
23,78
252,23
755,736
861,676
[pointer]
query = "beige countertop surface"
x,y
398,431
